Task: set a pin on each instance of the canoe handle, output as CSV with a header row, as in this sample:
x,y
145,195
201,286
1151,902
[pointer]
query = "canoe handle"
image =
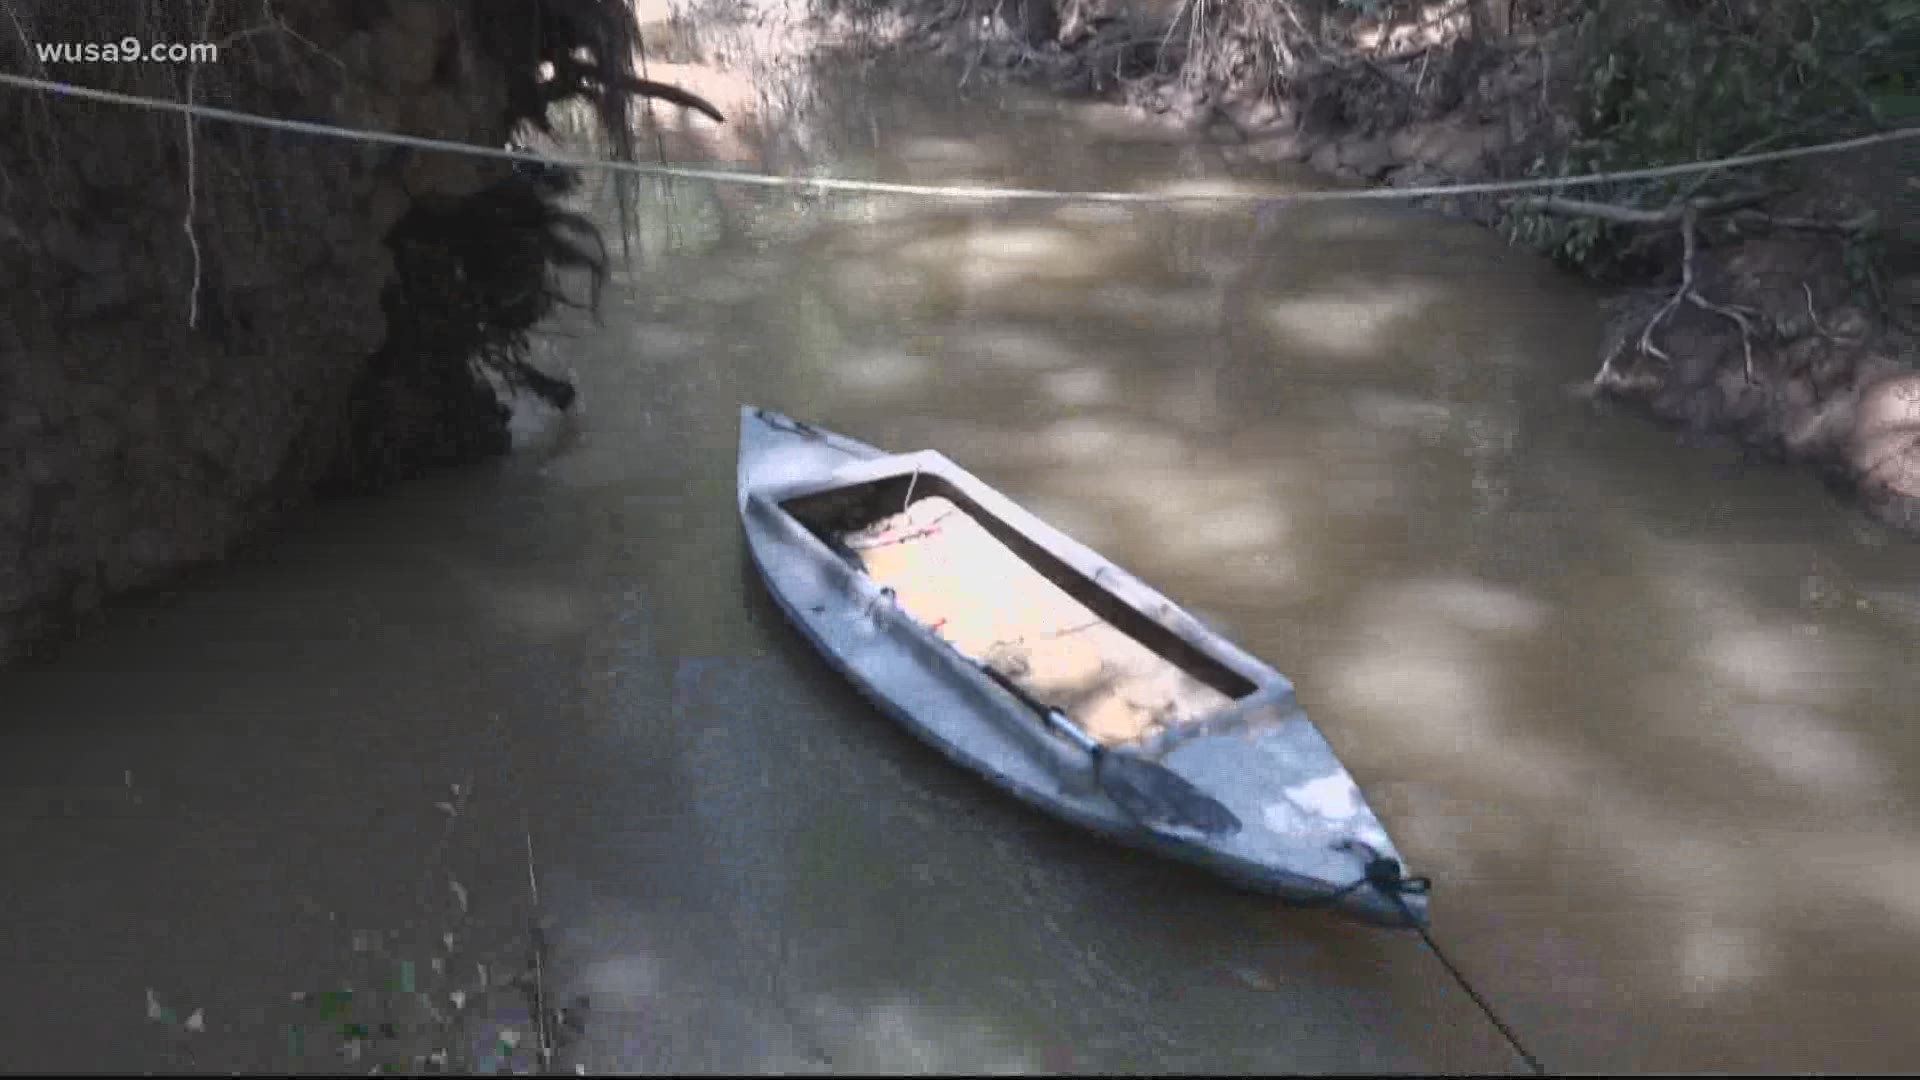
x,y
1057,719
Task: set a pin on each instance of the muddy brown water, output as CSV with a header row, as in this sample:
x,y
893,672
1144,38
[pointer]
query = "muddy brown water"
x,y
1650,722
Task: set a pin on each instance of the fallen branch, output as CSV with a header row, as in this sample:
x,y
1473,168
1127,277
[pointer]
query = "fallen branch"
x,y
1635,215
1858,225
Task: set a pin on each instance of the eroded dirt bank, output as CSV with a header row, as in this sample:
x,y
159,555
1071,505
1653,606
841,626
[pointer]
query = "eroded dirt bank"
x,y
1780,321
201,325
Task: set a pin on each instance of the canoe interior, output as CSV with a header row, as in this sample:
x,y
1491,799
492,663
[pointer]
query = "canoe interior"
x,y
998,597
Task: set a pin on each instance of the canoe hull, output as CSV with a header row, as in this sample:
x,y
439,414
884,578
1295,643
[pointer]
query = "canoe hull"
x,y
1261,756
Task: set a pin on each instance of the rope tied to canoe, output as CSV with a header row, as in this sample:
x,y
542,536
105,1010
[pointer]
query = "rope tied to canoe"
x,y
1385,875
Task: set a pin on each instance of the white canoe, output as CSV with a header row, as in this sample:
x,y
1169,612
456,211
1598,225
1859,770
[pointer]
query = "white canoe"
x,y
1306,834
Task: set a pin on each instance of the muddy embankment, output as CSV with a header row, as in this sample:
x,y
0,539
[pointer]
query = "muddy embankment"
x,y
203,325
1750,326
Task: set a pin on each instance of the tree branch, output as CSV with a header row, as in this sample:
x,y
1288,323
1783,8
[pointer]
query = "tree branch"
x,y
1689,221
569,76
1671,214
1864,222
671,94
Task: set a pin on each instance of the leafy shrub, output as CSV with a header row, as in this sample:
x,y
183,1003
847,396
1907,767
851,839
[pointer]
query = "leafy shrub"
x,y
1671,81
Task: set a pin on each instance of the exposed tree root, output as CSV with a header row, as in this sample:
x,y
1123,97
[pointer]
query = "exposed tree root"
x,y
1813,317
1686,216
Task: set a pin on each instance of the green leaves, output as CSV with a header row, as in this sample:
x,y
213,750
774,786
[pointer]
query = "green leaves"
x,y
1665,82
